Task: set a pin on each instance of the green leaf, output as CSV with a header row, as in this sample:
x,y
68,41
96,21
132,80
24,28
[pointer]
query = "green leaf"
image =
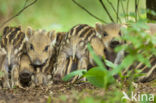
x,y
127,61
110,64
74,73
98,77
121,47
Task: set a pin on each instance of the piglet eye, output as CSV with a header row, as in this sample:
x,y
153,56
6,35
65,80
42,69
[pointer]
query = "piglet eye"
x,y
46,48
105,34
31,47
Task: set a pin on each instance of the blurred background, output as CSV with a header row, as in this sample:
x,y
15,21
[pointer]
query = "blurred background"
x,y
60,15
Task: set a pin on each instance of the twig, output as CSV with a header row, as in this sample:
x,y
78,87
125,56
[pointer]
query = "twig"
x,y
106,10
114,11
123,9
136,10
127,10
25,6
89,12
118,5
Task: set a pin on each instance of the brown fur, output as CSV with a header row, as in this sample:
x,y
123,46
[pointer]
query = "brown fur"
x,y
40,47
113,31
13,41
109,34
98,48
26,70
25,64
40,79
30,77
2,56
2,59
73,54
150,72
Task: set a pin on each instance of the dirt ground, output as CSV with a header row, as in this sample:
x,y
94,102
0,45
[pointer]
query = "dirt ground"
x,y
41,94
60,93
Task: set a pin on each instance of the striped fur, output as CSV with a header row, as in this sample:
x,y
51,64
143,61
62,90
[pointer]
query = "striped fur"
x,y
41,48
112,31
149,72
73,53
13,42
2,59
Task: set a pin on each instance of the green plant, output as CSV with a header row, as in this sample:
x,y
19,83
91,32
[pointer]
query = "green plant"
x,y
139,46
49,99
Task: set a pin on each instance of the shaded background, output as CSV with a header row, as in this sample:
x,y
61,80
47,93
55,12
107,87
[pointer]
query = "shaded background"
x,y
57,14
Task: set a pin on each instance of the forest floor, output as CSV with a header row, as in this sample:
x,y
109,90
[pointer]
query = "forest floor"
x,y
63,93
56,93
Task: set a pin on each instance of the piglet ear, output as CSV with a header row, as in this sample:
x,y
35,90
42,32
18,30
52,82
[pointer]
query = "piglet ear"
x,y
29,33
99,27
52,35
6,30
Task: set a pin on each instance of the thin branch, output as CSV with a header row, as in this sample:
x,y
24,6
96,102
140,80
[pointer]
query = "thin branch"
x,y
106,10
127,10
136,10
114,11
123,9
25,7
118,5
89,12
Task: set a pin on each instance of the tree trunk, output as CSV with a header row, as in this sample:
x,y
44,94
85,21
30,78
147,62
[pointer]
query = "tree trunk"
x,y
151,4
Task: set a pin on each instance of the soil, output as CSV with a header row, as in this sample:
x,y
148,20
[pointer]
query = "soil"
x,y
41,94
60,93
